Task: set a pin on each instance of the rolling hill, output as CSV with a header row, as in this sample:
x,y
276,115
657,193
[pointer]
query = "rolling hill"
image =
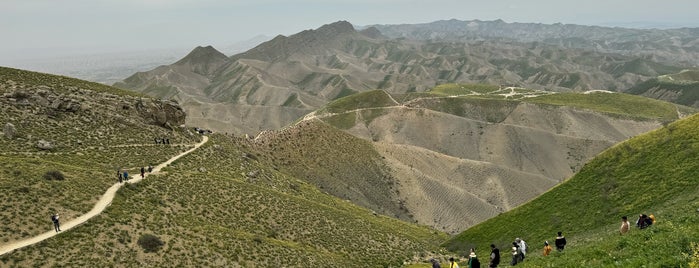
x,y
458,154
281,80
682,88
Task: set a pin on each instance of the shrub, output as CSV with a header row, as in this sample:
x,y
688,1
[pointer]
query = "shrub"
x,y
694,262
54,175
150,243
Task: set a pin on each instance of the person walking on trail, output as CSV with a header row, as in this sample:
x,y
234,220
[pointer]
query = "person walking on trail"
x,y
56,224
119,174
473,260
150,168
494,256
560,242
624,225
143,172
126,175
547,248
452,263
522,246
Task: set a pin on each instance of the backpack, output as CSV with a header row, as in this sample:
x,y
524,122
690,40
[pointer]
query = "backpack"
x,y
475,263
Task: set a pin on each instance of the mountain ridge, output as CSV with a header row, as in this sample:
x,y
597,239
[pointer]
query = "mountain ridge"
x,y
302,72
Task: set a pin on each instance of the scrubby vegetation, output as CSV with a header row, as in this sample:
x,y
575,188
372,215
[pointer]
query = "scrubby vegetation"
x,y
246,214
92,134
54,175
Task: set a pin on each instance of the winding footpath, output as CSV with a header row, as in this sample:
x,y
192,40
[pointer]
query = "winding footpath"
x,y
101,204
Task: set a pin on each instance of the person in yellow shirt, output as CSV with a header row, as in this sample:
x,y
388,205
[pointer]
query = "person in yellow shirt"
x,y
547,248
453,263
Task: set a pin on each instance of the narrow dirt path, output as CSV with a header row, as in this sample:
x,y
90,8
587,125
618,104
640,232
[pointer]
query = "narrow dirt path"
x,y
103,203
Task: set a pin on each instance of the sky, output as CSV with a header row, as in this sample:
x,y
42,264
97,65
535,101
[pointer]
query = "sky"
x,y
34,28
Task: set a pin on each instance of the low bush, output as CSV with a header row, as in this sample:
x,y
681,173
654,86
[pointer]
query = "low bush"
x,y
150,243
54,175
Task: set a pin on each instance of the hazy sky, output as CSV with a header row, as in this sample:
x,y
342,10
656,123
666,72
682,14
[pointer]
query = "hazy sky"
x,y
36,27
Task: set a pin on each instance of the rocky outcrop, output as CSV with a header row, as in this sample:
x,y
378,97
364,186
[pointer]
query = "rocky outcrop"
x,y
161,113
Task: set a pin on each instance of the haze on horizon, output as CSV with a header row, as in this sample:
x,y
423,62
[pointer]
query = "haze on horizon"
x,y
41,28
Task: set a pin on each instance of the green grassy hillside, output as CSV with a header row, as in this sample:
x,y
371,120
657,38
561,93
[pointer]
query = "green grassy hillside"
x,y
492,104
655,173
613,103
225,205
92,134
368,99
681,88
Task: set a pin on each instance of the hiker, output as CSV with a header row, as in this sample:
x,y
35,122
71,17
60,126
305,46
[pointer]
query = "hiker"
x,y
119,174
452,263
435,263
522,246
547,248
643,221
494,256
473,260
150,168
516,254
126,175
560,242
624,225
167,141
156,141
143,172
56,224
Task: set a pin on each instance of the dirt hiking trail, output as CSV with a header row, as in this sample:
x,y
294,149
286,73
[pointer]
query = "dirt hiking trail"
x,y
101,204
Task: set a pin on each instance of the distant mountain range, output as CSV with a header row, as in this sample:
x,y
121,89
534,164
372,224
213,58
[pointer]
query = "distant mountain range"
x,y
669,46
280,80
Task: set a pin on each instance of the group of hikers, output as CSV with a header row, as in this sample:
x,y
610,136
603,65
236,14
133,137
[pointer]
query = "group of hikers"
x,y
519,247
519,251
124,175
642,223
162,140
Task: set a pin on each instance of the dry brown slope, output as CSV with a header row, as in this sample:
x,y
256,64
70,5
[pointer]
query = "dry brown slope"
x,y
456,171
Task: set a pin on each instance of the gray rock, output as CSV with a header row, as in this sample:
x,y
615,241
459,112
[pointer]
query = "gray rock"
x,y
44,145
9,130
253,174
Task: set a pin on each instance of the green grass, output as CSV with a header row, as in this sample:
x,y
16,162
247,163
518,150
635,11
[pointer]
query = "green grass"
x,y
654,173
613,103
367,99
463,89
